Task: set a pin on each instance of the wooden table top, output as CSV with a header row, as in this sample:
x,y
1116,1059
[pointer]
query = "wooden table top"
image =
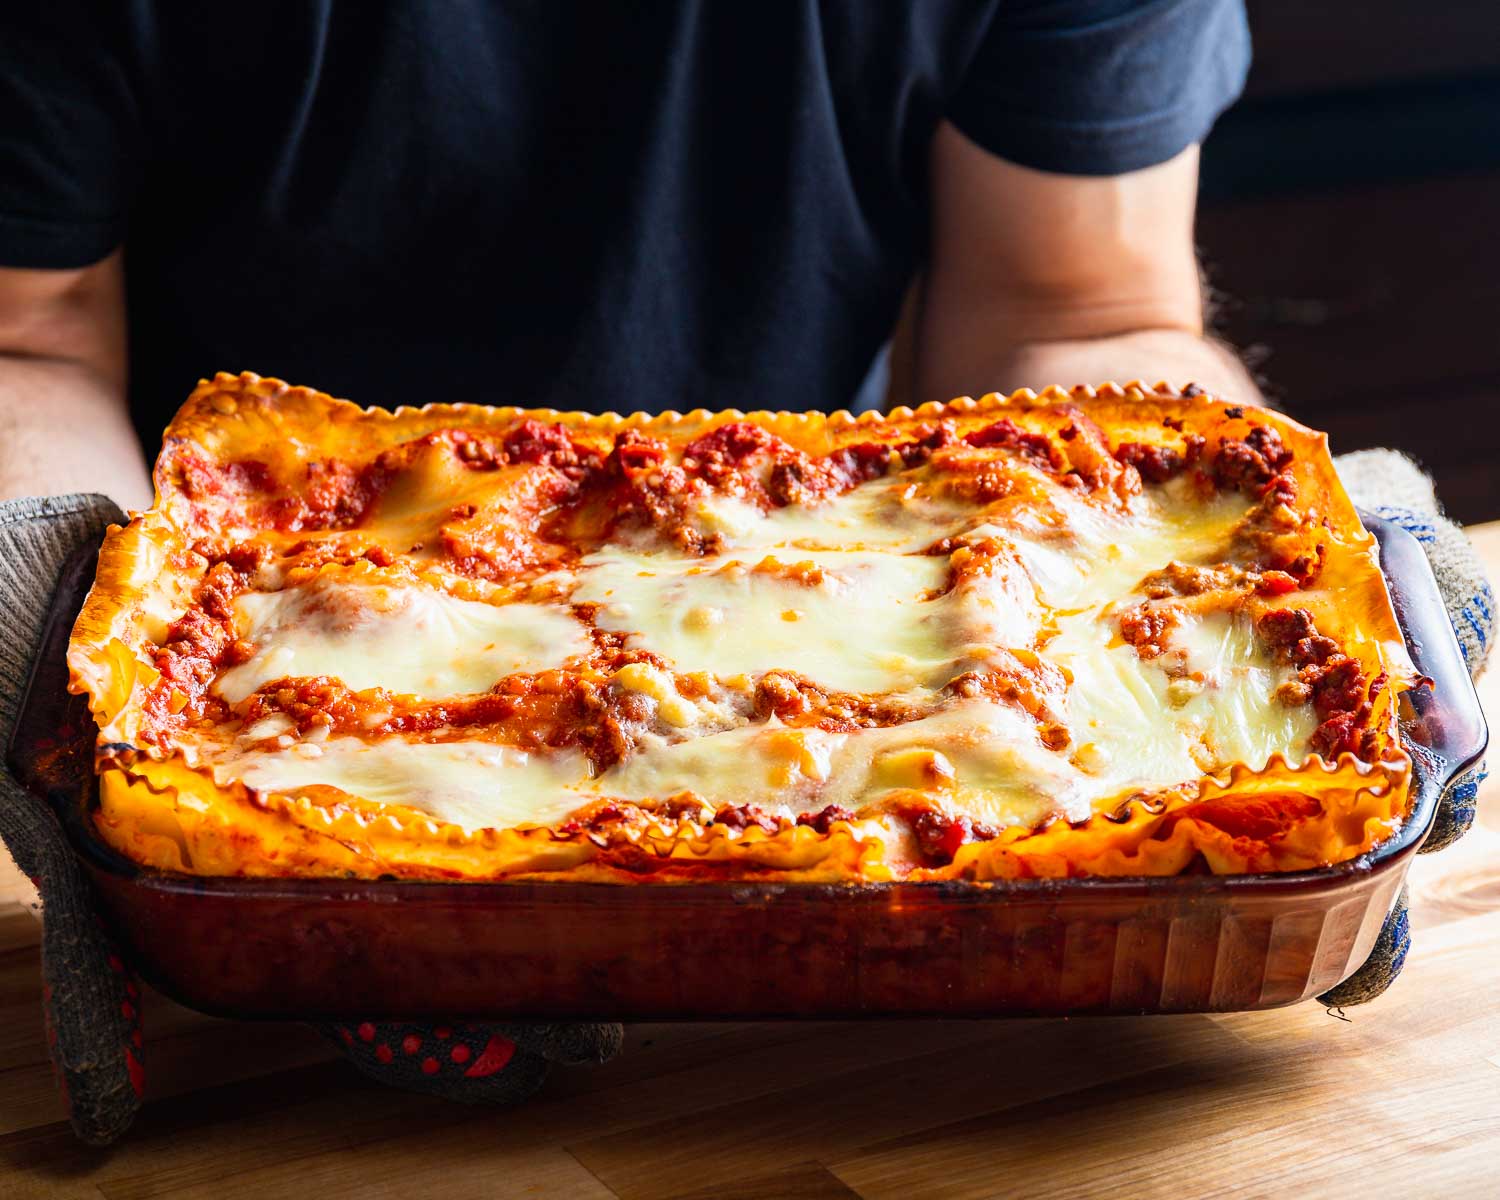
x,y
1399,1097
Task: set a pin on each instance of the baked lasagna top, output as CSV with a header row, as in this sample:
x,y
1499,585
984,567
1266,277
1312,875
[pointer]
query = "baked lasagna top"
x,y
1123,631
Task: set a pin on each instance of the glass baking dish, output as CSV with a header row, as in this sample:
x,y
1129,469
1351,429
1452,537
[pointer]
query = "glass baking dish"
x,y
341,949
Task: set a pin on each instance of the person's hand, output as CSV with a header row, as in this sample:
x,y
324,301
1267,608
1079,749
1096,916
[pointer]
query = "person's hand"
x,y
90,999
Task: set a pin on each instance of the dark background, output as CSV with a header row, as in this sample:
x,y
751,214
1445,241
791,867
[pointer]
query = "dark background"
x,y
1349,220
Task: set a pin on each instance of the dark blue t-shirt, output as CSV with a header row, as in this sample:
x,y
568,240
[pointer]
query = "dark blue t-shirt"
x,y
609,205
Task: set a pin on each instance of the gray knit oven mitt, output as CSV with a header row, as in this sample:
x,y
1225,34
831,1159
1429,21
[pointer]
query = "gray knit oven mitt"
x,y
90,999
1390,485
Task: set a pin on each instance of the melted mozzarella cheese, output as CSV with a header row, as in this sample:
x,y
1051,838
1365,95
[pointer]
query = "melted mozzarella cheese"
x,y
983,756
1244,722
888,513
1132,726
998,607
1096,557
851,620
475,785
408,640
1136,725
865,617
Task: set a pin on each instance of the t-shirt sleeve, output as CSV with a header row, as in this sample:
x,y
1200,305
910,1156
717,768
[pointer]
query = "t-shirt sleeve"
x,y
71,135
1101,87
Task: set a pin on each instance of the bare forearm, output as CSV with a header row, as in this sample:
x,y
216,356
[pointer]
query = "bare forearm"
x,y
1175,356
1038,279
64,428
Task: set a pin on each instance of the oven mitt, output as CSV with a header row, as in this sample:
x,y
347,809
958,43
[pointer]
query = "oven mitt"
x,y
1390,485
90,1000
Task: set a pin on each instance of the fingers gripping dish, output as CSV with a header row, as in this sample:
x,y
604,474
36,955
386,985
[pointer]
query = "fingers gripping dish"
x,y
1113,632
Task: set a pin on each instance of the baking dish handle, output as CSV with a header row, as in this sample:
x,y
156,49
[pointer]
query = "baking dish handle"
x,y
1448,727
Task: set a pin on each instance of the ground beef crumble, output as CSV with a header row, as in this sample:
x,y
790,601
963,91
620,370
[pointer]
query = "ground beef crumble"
x,y
1145,626
1334,683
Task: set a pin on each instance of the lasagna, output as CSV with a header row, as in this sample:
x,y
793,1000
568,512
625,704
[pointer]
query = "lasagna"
x,y
1099,632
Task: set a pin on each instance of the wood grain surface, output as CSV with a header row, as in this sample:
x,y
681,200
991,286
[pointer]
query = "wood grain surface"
x,y
1400,1097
